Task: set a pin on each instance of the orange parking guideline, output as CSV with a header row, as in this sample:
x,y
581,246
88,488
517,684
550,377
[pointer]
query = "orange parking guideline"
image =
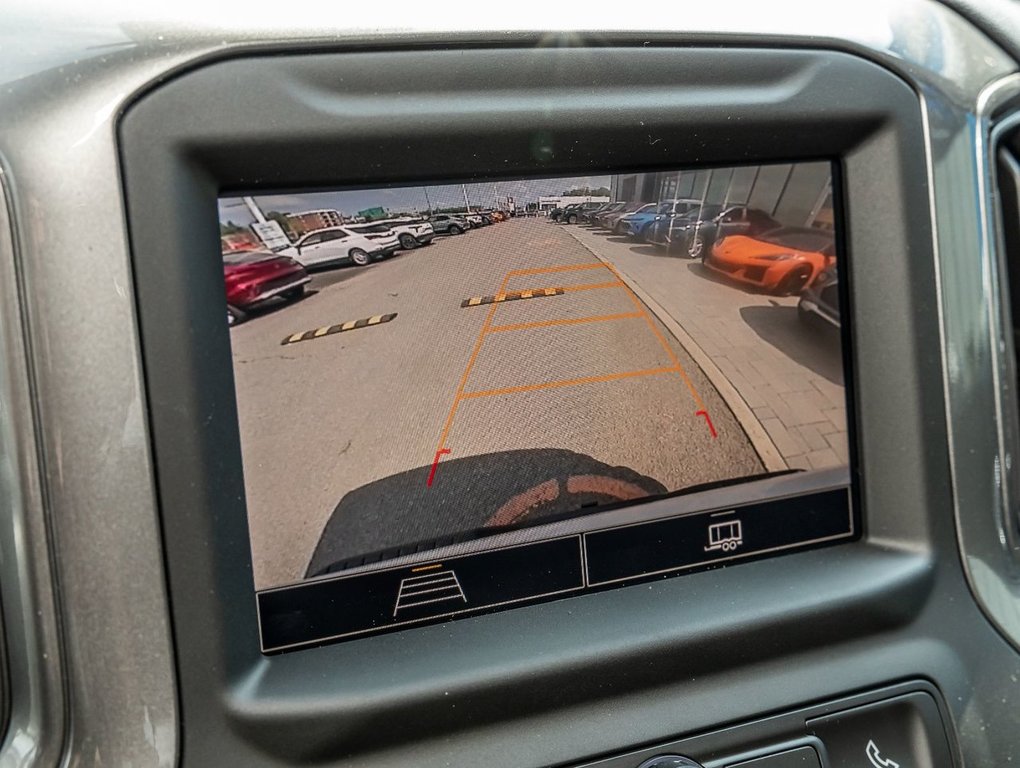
x,y
470,365
568,382
487,328
662,340
563,321
458,396
563,268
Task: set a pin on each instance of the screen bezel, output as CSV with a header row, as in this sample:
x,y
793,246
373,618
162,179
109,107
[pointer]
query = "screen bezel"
x,y
176,167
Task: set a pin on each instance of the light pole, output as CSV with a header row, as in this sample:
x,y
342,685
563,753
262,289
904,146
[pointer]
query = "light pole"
x,y
701,209
254,210
676,194
429,202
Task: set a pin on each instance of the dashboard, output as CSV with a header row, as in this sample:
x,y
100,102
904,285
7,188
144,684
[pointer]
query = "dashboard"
x,y
511,391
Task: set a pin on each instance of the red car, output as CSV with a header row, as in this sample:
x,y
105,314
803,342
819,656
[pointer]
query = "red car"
x,y
254,278
783,261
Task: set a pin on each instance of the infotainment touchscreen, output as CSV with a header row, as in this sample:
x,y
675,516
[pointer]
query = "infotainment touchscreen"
x,y
458,398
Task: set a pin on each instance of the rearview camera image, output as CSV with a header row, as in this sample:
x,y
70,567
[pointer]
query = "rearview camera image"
x,y
420,367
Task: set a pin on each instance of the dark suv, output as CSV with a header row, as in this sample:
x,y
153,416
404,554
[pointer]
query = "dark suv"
x,y
574,213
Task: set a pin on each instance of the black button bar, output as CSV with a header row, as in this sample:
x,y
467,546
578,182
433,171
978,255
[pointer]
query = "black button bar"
x,y
380,600
322,610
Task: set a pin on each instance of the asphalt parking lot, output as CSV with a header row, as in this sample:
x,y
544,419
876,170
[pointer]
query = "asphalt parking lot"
x,y
586,383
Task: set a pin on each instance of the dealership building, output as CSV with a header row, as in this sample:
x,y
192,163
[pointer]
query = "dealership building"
x,y
796,195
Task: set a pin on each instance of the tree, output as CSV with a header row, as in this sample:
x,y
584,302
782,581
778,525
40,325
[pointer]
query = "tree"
x,y
587,192
230,228
284,222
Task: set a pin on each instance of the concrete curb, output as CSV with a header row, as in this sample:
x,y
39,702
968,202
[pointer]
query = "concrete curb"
x,y
767,451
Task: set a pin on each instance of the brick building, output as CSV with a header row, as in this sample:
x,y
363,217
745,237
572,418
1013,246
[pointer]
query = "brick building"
x,y
308,221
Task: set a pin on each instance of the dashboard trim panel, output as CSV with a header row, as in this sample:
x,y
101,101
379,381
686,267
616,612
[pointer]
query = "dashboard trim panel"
x,y
177,168
66,83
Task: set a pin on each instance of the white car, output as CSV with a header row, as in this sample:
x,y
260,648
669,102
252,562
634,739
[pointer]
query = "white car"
x,y
336,244
410,233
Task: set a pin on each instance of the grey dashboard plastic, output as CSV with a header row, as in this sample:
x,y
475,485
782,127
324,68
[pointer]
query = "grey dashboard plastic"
x,y
683,654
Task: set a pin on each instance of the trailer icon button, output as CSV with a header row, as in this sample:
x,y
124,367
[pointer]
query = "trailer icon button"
x,y
725,536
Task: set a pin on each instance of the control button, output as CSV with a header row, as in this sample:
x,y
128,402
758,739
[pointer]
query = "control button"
x,y
670,761
904,732
327,609
802,757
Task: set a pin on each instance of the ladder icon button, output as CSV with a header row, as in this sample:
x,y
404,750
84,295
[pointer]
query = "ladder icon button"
x,y
427,588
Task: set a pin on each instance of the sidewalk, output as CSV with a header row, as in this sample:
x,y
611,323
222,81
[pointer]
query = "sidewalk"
x,y
782,379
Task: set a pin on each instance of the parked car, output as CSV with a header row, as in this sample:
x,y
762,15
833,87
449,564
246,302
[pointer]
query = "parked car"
x,y
636,224
592,216
573,214
587,209
499,216
474,220
254,278
783,261
623,226
411,233
445,224
337,244
821,299
674,232
588,213
560,214
735,220
564,212
610,220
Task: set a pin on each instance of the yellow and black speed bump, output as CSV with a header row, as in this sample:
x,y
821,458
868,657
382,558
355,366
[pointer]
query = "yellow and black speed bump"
x,y
328,330
537,293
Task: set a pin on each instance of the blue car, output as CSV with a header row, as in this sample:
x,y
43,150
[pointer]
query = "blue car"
x,y
620,223
638,225
674,232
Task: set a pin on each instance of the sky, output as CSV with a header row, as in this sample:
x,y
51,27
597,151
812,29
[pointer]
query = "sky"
x,y
408,198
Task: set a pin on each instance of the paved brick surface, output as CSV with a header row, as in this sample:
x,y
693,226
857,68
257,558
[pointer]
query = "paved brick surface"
x,y
788,372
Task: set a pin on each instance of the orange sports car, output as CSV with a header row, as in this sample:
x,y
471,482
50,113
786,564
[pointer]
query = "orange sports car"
x,y
784,261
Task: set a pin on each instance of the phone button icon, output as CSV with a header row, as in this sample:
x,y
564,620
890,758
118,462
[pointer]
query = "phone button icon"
x,y
902,732
876,758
